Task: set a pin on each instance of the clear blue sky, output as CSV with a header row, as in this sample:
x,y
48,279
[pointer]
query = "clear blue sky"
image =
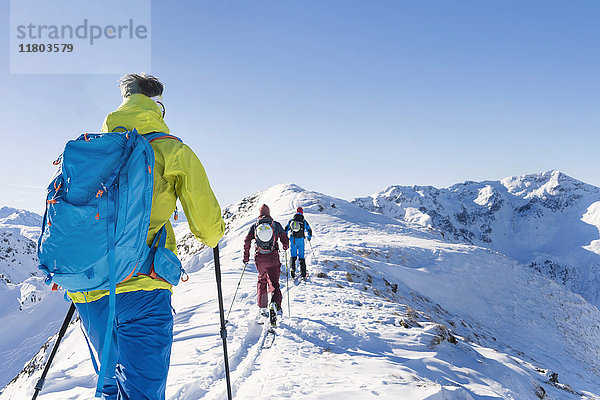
x,y
342,97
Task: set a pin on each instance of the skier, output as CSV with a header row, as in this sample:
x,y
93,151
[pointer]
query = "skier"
x,y
265,231
143,332
297,226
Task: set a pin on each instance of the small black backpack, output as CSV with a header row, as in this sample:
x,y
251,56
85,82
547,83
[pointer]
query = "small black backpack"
x,y
297,226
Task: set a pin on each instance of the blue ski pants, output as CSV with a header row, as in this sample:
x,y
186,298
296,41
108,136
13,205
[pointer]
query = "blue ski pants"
x,y
297,247
141,344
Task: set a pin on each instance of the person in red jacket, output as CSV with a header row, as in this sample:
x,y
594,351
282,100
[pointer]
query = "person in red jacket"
x,y
266,232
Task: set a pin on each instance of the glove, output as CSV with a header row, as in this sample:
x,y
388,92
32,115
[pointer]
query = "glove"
x,y
286,247
245,262
310,237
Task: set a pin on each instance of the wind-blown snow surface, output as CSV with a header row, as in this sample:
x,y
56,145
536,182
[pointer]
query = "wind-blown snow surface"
x,y
549,221
389,312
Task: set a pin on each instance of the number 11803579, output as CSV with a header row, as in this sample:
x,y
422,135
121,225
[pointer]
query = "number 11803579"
x,y
46,48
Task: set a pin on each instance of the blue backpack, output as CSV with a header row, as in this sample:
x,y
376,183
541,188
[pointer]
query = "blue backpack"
x,y
97,217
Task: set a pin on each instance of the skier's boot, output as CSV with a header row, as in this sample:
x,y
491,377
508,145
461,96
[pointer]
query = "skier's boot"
x,y
263,313
273,309
303,268
293,267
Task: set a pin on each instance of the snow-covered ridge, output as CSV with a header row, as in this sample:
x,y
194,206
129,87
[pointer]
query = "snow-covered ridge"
x,y
391,311
19,230
29,311
18,257
549,221
22,222
13,216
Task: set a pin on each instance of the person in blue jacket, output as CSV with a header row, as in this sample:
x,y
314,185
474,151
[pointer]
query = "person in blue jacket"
x,y
298,227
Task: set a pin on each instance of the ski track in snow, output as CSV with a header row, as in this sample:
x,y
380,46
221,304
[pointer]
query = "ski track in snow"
x,y
389,312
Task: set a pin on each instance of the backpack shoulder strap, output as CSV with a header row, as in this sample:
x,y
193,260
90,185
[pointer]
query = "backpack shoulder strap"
x,y
265,220
150,137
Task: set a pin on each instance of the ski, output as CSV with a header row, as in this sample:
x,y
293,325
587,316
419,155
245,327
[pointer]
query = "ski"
x,y
269,338
271,322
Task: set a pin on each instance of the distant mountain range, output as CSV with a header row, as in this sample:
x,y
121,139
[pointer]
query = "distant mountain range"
x,y
18,231
549,221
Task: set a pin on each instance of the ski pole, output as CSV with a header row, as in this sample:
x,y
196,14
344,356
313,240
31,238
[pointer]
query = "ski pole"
x,y
235,294
223,331
287,284
313,252
63,329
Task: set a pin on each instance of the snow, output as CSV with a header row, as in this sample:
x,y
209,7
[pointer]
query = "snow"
x,y
21,222
485,195
19,230
546,220
18,258
592,217
415,216
391,310
30,312
30,315
536,185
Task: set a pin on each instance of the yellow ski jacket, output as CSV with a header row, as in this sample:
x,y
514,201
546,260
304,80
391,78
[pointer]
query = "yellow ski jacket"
x,y
177,174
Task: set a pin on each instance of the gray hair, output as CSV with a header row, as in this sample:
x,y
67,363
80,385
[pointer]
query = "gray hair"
x,y
145,84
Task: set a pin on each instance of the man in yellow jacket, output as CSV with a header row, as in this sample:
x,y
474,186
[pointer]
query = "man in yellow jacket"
x,y
143,331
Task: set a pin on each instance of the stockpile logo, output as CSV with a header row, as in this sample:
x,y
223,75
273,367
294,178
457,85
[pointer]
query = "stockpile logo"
x,y
79,36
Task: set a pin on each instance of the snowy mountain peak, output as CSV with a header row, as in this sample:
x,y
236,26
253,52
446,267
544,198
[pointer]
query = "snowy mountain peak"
x,y
548,220
18,231
487,196
13,216
18,258
20,222
549,183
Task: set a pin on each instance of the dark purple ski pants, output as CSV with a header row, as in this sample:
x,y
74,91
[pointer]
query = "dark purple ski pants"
x,y
268,267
